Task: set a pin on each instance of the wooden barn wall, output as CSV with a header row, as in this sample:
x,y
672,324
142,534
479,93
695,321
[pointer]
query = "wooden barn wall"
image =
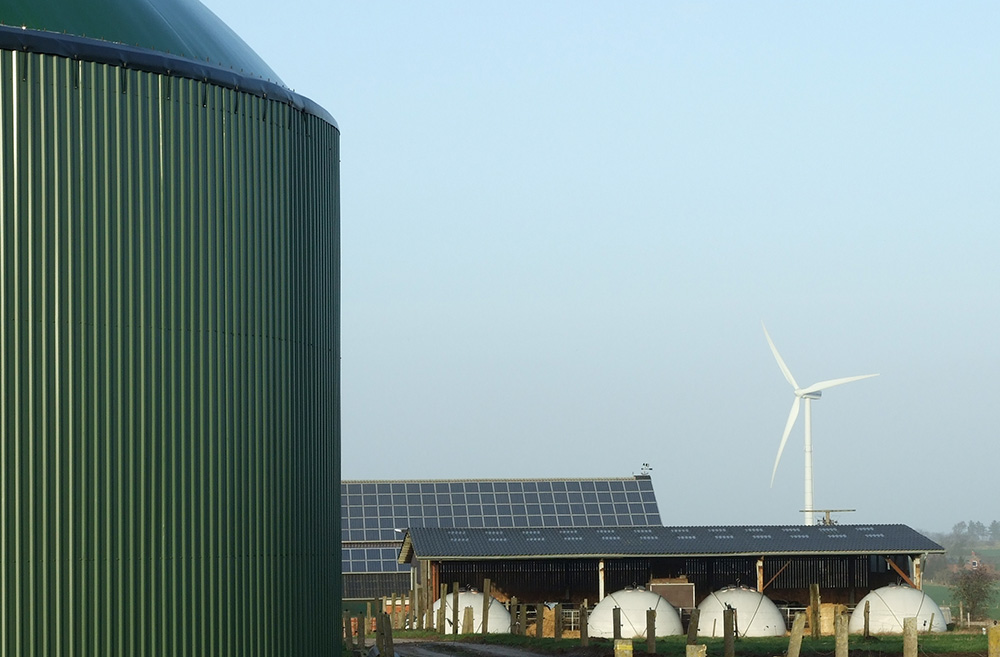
x,y
842,579
531,580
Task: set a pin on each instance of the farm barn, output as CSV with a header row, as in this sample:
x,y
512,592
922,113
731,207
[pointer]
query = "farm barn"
x,y
572,565
572,540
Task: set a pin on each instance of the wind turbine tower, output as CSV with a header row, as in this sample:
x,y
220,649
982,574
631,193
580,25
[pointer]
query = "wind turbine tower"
x,y
809,393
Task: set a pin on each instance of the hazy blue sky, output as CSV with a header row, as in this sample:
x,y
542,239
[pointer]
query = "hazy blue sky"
x,y
563,223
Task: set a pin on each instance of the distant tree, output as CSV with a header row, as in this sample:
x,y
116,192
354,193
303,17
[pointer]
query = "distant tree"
x,y
959,537
975,588
995,531
936,568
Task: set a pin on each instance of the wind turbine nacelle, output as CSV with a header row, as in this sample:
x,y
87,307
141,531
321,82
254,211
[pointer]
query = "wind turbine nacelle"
x,y
810,395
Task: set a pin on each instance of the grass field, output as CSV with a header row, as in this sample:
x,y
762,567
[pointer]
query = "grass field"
x,y
989,554
943,596
950,643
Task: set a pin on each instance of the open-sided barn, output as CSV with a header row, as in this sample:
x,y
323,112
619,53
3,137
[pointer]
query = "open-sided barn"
x,y
572,540
582,563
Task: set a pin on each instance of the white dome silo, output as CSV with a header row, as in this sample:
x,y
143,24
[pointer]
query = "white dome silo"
x,y
634,604
756,614
499,622
889,605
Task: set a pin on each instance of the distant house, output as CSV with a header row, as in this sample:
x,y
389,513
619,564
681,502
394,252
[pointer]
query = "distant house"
x,y
975,562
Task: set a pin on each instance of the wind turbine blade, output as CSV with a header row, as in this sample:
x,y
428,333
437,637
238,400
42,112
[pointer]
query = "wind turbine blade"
x,y
792,416
823,385
777,357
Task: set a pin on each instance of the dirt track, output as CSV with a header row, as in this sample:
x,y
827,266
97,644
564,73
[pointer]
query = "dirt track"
x,y
461,649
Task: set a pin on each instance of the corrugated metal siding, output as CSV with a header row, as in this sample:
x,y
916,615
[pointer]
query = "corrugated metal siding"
x,y
169,303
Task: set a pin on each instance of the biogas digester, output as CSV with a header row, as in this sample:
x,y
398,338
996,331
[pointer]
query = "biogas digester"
x,y
169,302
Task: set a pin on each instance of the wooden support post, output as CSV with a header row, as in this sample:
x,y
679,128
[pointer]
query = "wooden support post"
x,y
380,633
693,627
454,607
840,631
441,625
910,637
467,619
348,631
557,627
428,589
868,610
616,622
651,631
993,641
729,632
417,607
441,622
899,571
798,629
814,602
487,601
584,630
390,646
539,620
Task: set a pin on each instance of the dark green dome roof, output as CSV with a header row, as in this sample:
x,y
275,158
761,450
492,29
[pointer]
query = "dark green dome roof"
x,y
183,28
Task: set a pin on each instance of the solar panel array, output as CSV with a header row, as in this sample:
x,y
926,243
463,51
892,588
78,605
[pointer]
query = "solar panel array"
x,y
375,513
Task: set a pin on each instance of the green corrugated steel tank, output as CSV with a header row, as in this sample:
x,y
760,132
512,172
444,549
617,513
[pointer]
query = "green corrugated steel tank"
x,y
169,356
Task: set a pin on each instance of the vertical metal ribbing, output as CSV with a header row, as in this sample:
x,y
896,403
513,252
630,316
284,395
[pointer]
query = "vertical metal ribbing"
x,y
16,476
166,253
6,525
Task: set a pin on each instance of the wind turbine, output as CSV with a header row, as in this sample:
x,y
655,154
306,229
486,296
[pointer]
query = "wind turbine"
x,y
815,391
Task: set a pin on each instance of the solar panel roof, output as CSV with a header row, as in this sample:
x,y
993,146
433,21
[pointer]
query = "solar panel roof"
x,y
437,543
374,514
379,510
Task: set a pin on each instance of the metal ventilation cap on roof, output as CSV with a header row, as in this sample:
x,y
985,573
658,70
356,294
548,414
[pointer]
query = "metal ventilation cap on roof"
x,y
183,28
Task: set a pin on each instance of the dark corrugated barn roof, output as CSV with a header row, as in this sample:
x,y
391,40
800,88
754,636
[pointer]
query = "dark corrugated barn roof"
x,y
517,543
